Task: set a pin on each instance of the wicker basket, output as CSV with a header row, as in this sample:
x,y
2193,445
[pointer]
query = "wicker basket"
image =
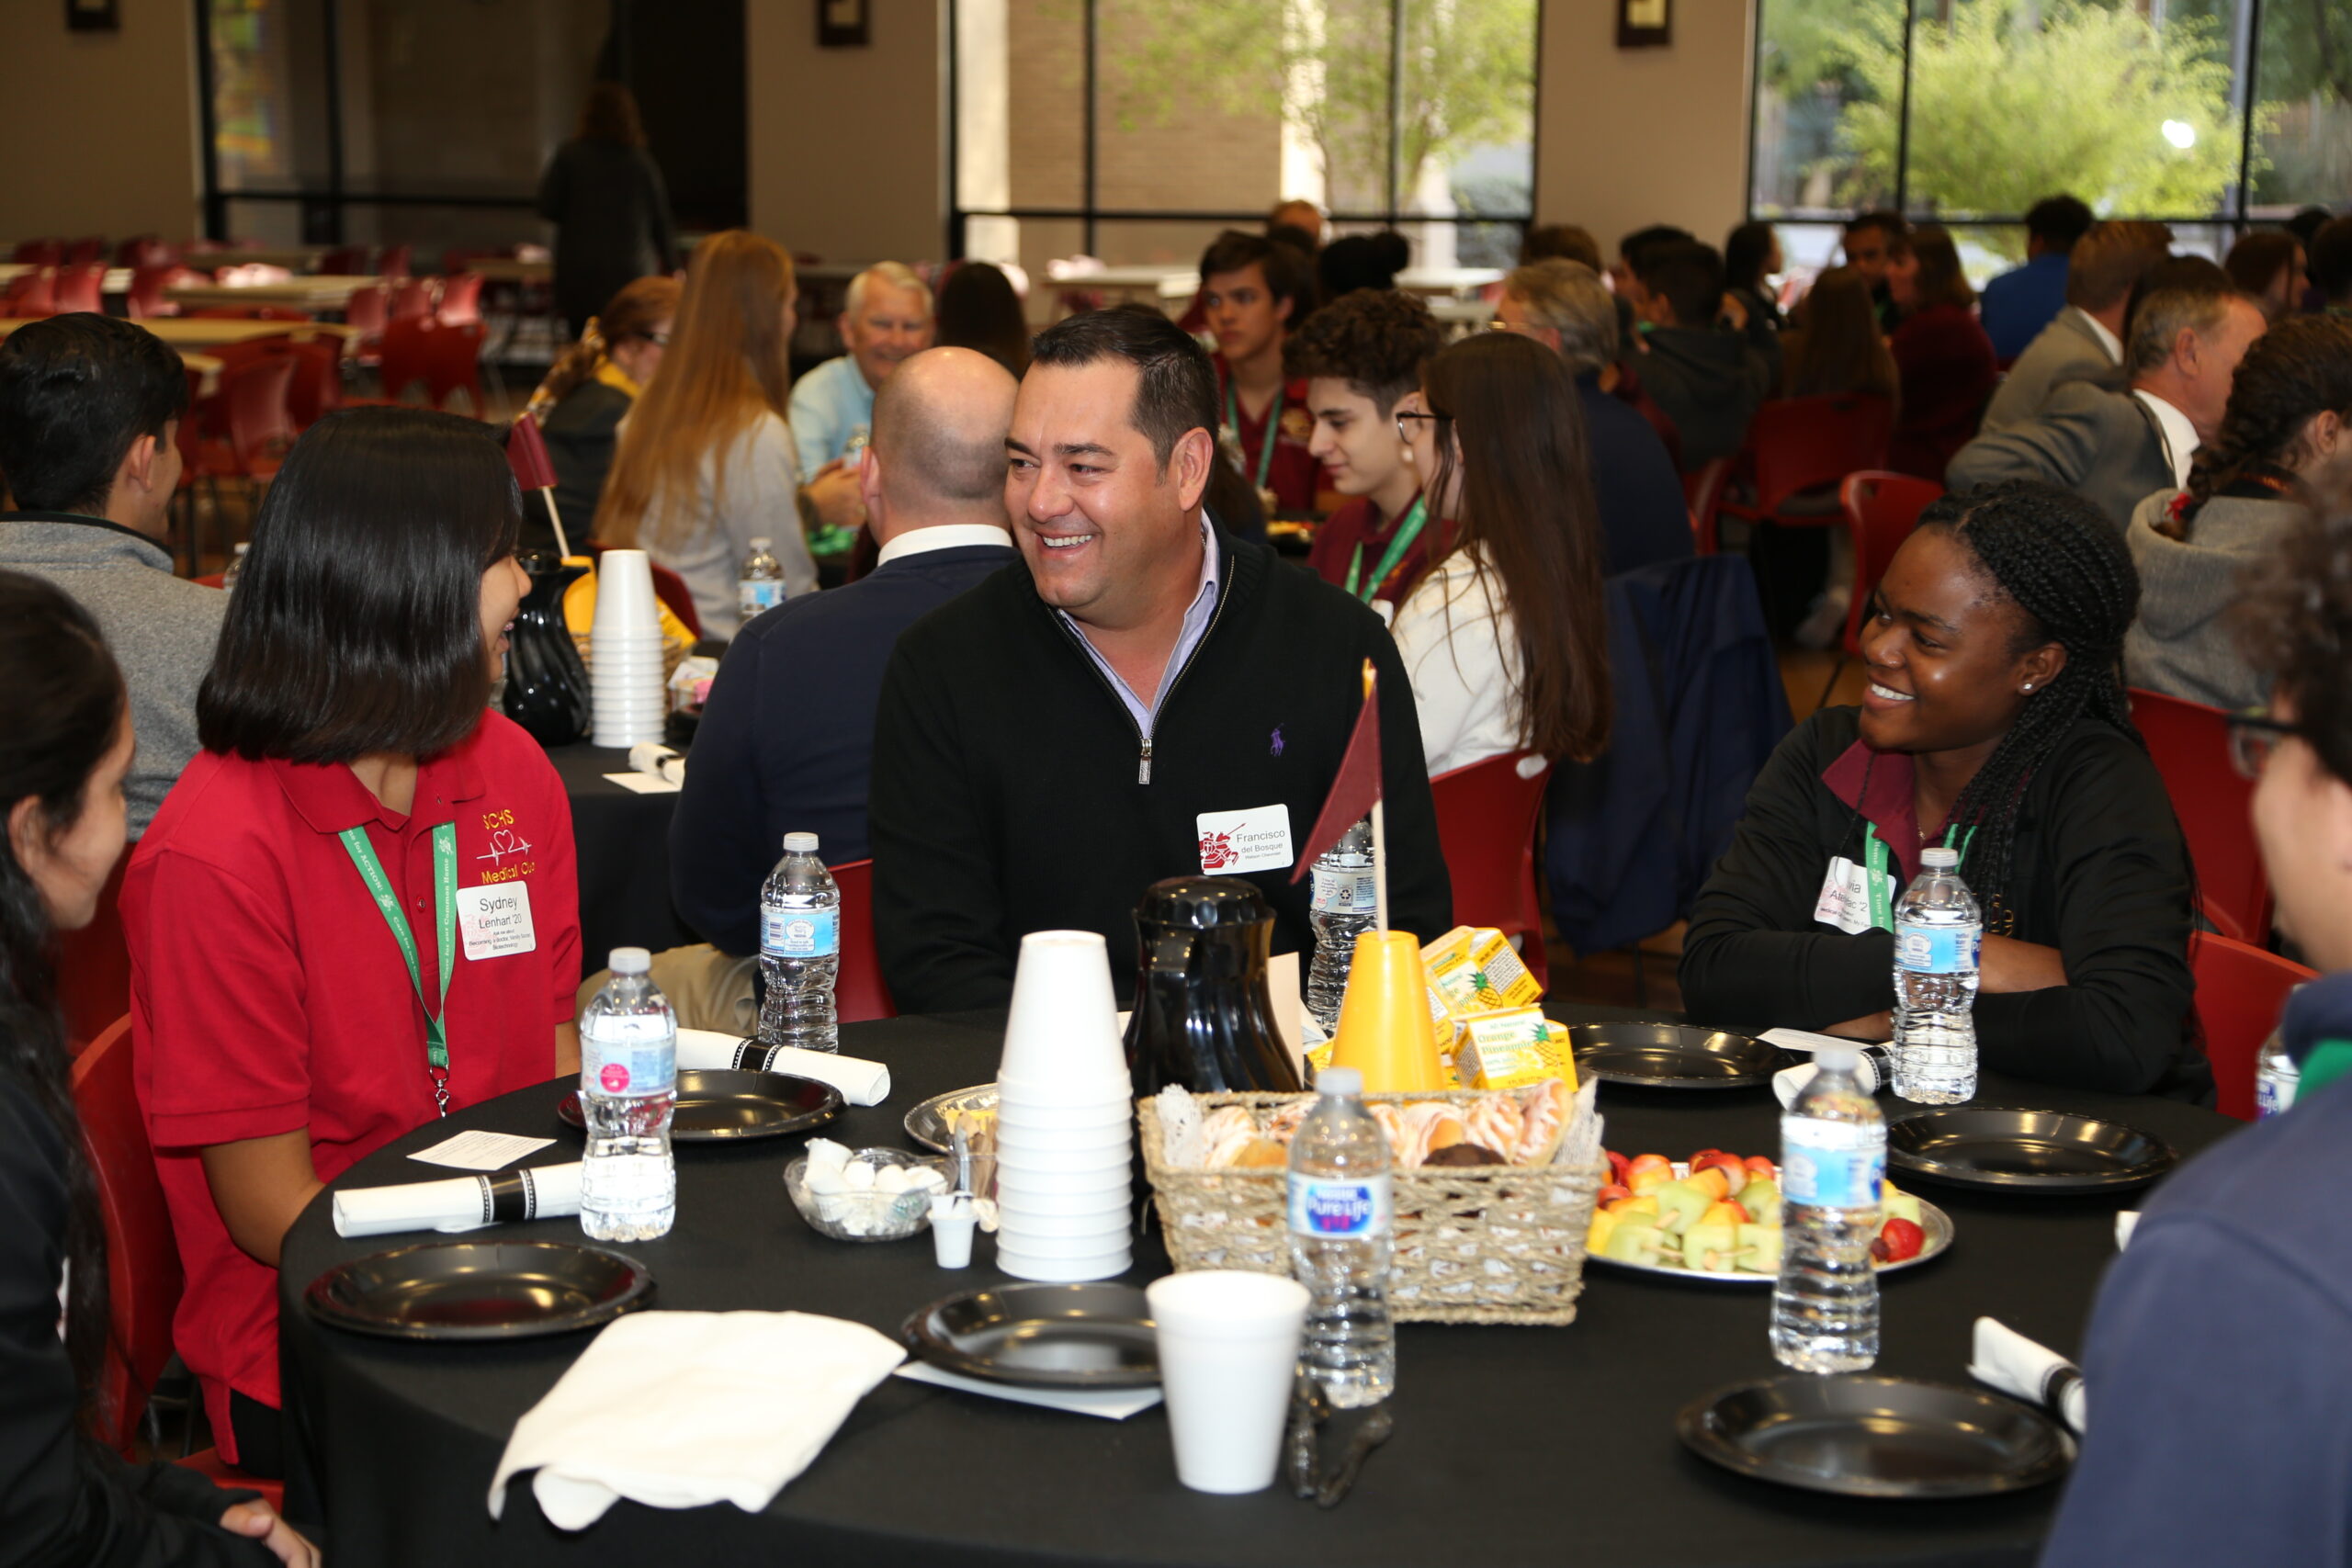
x,y
1474,1243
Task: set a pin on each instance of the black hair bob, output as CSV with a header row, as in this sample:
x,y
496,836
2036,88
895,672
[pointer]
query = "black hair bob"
x,y
355,627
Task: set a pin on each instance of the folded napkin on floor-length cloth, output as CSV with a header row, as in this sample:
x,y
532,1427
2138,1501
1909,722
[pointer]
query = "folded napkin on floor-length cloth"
x,y
861,1082
2025,1369
677,1409
465,1203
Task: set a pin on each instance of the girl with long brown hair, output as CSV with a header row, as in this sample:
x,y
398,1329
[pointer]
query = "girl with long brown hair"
x,y
1505,637
706,462
1946,360
605,195
590,390
1836,346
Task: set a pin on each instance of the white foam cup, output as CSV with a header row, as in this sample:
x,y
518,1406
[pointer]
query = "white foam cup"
x,y
1063,1027
1061,1271
1229,1354
624,601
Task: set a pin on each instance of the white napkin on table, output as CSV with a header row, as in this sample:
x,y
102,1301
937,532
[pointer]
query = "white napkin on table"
x,y
466,1203
678,1409
861,1082
2024,1370
1873,1072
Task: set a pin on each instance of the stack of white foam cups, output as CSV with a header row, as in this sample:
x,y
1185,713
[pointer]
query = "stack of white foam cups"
x,y
625,652
1065,1117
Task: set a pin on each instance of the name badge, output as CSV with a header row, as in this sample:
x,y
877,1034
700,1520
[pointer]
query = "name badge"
x,y
1234,841
495,921
1845,900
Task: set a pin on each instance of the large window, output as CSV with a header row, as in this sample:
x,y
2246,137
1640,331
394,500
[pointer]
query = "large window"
x,y
1133,131
2206,113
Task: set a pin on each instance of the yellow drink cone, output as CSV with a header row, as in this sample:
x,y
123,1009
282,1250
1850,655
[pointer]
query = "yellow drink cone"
x,y
1384,1029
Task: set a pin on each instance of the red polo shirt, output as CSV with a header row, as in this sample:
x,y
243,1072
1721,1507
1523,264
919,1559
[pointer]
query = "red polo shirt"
x,y
1294,473
268,996
1357,525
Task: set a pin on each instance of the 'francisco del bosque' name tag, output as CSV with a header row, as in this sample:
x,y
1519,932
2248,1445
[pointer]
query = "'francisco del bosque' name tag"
x,y
1255,840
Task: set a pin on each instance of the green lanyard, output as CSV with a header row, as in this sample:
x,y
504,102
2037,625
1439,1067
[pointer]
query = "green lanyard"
x,y
1274,425
1407,532
444,908
1874,863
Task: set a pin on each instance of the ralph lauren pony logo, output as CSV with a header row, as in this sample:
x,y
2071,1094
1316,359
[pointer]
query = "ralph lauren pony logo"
x,y
1275,748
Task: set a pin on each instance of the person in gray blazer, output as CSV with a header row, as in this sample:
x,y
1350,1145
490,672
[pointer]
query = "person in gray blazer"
x,y
2114,448
2285,444
2085,341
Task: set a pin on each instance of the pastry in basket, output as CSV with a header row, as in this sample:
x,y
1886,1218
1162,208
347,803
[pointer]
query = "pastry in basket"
x,y
1227,1130
1545,1108
1496,1122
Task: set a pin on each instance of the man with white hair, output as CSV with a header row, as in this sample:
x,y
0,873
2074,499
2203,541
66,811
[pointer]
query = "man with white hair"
x,y
887,321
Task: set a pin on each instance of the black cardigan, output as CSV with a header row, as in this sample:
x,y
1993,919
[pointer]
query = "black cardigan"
x,y
2098,871
1006,796
62,1499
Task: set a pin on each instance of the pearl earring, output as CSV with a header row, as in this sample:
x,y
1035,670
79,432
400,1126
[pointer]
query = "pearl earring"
x,y
2028,685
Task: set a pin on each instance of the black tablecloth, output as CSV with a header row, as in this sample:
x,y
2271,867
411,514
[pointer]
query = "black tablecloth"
x,y
1512,1445
624,844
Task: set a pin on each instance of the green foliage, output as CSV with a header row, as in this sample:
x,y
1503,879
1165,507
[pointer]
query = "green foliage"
x,y
2004,112
1468,79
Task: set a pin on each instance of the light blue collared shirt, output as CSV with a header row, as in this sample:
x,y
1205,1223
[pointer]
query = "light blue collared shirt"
x,y
827,404
1196,627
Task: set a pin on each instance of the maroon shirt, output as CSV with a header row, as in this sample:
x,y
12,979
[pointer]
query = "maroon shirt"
x,y
1358,523
1294,473
1949,373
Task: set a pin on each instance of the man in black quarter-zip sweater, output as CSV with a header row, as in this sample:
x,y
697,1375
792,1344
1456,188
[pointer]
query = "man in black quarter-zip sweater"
x,y
1140,696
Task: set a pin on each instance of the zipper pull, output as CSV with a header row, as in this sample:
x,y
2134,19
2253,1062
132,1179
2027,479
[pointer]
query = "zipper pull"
x,y
1143,765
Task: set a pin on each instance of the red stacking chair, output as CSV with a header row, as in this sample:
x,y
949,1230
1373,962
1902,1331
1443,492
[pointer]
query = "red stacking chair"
x,y
411,298
366,314
145,250
1486,826
244,428
147,296
80,287
447,359
31,295
93,967
85,253
345,261
1800,444
1704,492
859,992
2241,991
2191,744
392,261
1881,509
316,388
143,1277
461,300
39,252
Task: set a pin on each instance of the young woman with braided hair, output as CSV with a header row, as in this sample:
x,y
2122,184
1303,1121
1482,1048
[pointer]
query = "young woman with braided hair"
x,y
2285,442
1993,721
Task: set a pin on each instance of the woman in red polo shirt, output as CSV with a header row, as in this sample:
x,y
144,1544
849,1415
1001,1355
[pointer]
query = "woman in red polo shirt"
x,y
285,1023
1360,359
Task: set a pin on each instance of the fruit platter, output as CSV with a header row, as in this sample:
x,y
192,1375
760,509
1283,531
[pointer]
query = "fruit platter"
x,y
1717,1217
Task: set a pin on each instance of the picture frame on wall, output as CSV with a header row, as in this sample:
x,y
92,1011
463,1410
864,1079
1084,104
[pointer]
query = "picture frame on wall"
x,y
94,15
843,24
1645,24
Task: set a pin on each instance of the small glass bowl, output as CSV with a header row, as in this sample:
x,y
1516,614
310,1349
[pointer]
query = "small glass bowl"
x,y
863,1214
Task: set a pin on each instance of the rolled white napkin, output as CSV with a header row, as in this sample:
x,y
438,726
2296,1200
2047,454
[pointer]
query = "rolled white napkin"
x,y
2126,1222
678,1409
1875,1071
2024,1370
861,1082
466,1203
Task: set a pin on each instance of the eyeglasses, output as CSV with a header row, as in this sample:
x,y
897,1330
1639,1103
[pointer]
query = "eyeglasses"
x,y
2252,738
659,340
1403,414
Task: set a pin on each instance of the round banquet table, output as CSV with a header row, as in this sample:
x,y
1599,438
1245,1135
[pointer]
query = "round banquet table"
x,y
622,843
1512,1445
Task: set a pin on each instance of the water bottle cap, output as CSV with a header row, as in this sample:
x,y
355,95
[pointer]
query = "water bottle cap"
x,y
760,544
1939,858
243,546
800,843
1346,1082
630,961
1838,1058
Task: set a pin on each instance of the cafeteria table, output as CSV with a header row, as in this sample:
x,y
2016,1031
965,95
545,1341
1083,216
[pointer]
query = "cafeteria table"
x,y
623,842
318,291
1512,1445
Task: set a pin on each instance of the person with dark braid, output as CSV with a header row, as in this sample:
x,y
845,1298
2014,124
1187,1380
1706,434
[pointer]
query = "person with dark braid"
x,y
2286,438
1994,723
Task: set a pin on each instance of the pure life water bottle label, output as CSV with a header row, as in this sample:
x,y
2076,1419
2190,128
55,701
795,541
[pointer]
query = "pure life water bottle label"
x,y
1832,1165
1937,950
800,933
1341,890
628,1057
1339,1209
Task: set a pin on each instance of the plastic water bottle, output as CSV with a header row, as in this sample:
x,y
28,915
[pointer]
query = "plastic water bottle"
x,y
1833,1168
1341,1216
1938,936
800,949
760,586
2276,1075
1342,909
628,1086
234,570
